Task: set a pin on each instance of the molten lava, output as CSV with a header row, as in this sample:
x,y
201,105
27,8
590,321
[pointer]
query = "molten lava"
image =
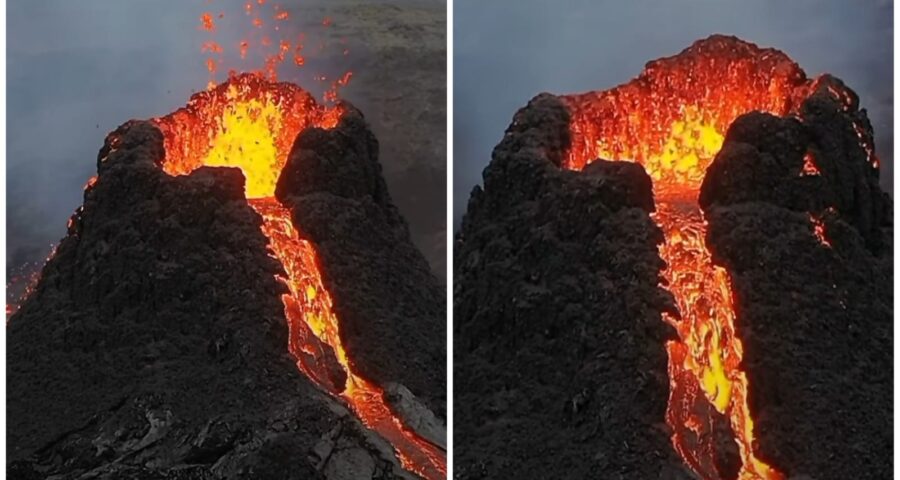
x,y
809,165
247,122
818,227
672,120
250,123
705,365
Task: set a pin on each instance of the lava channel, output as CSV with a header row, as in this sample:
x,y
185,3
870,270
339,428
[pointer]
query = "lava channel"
x,y
671,119
704,367
250,123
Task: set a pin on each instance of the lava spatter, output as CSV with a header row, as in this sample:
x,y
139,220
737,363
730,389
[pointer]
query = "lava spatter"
x,y
250,123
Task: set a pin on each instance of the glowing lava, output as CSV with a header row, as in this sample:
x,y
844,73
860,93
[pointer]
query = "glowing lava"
x,y
705,365
250,123
672,120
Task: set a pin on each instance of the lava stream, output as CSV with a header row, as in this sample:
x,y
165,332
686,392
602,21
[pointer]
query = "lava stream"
x,y
308,310
704,366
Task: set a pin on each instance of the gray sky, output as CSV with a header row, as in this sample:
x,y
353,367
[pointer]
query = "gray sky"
x,y
78,69
507,52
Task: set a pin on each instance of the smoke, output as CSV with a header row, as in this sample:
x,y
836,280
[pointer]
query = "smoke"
x,y
77,70
505,53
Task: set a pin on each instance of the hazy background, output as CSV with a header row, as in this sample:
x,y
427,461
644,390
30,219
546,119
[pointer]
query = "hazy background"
x,y
78,69
507,52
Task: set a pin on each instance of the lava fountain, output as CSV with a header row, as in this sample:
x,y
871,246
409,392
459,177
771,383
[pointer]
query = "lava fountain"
x,y
250,122
672,119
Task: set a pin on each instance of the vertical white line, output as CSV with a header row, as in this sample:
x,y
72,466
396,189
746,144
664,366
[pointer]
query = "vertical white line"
x,y
3,217
449,238
894,275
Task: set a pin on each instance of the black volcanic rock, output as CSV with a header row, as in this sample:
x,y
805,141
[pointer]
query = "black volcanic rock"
x,y
815,319
560,365
391,307
155,344
763,156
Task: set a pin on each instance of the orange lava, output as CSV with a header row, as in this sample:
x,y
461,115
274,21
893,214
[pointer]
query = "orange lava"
x,y
809,165
818,227
270,44
672,119
250,123
247,122
704,367
313,323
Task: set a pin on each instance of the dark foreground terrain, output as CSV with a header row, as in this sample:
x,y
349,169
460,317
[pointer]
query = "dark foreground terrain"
x,y
155,343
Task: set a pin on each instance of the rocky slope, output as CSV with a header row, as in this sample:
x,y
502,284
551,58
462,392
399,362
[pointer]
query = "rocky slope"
x,y
814,314
155,344
397,52
560,366
391,307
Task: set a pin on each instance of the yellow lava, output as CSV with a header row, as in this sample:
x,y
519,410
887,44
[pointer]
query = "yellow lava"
x,y
245,141
683,155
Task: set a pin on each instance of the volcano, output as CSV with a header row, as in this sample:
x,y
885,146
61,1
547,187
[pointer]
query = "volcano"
x,y
238,297
688,275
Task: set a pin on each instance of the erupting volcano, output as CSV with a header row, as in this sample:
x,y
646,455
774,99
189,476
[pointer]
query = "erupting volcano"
x,y
251,123
672,121
242,146
685,121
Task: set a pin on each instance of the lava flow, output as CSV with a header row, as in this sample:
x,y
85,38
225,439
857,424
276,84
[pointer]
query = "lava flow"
x,y
250,123
672,120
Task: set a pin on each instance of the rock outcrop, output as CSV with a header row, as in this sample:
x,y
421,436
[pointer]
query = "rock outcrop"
x,y
810,257
560,365
391,307
155,344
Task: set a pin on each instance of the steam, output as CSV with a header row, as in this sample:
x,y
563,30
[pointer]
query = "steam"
x,y
69,85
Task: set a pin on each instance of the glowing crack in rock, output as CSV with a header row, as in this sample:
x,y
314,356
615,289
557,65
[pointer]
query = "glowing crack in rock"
x,y
818,227
809,166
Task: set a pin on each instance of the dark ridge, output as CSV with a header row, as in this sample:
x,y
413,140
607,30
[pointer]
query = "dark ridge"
x,y
155,344
815,319
391,307
560,365
763,156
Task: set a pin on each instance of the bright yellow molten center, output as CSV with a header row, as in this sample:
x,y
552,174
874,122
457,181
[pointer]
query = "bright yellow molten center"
x,y
690,146
680,160
245,140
